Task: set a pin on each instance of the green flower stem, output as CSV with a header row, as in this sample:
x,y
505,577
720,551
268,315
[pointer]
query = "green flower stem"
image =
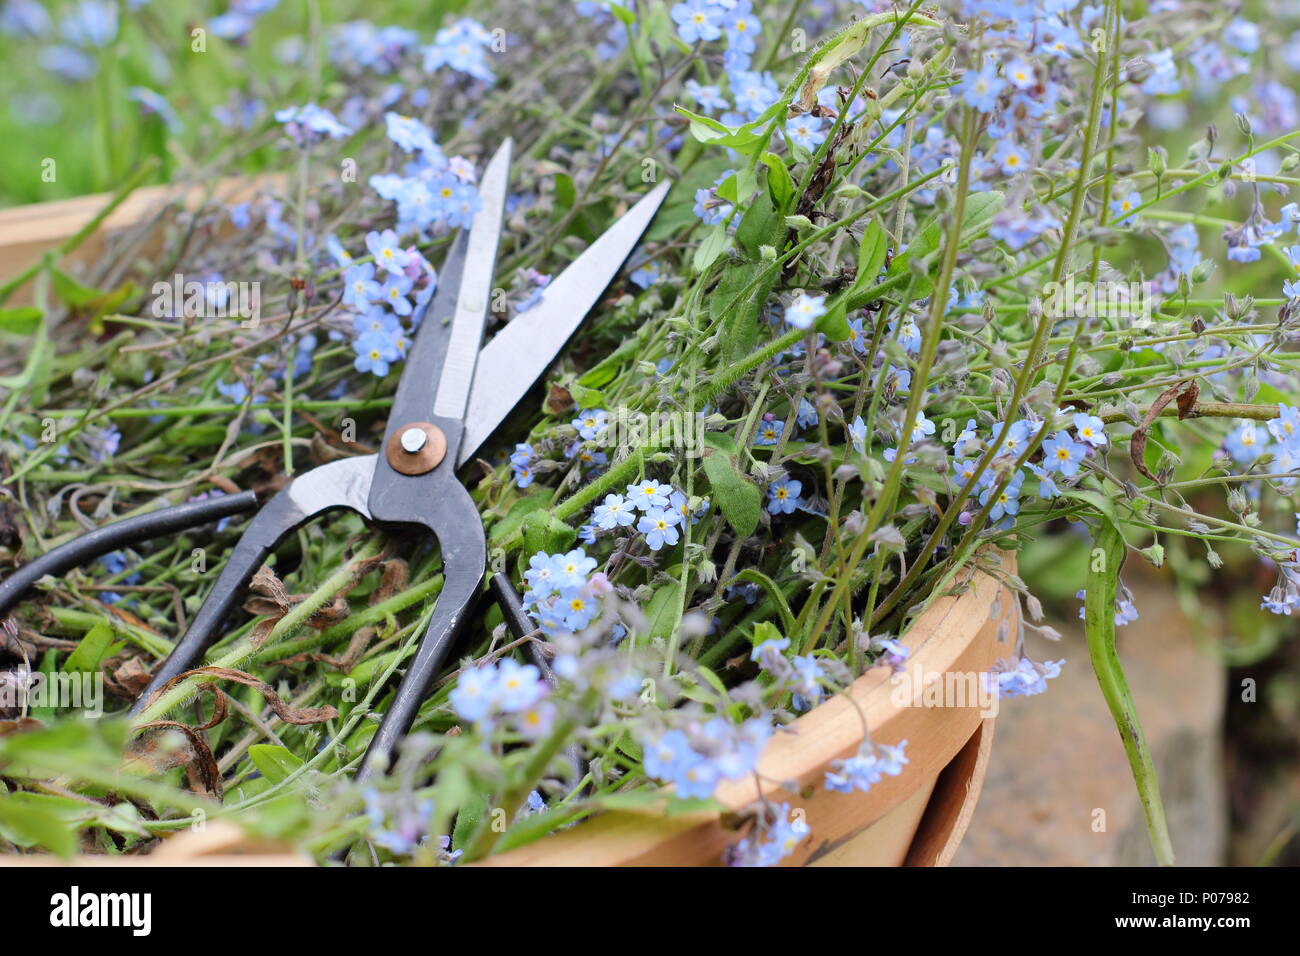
x,y
1028,370
1258,413
375,614
1103,578
245,651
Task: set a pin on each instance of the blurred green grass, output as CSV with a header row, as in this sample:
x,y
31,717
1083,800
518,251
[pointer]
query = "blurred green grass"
x,y
96,134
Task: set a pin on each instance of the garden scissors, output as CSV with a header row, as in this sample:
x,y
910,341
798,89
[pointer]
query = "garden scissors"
x,y
453,393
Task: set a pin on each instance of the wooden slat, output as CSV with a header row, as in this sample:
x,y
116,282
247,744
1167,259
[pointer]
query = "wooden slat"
x,y
887,841
955,635
955,794
28,232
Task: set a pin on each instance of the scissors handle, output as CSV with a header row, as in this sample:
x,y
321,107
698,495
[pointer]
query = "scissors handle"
x,y
259,539
338,484
120,534
451,515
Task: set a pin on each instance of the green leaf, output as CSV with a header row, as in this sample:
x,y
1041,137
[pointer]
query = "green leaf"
x,y
761,225
29,822
1104,503
71,291
779,183
467,818
712,246
586,397
746,286
23,320
49,667
514,519
195,436
711,132
739,186
871,253
365,671
835,323
713,681
661,612
545,532
274,761
537,825
680,806
736,495
452,790
96,647
565,192
979,212
96,302
1099,623
623,13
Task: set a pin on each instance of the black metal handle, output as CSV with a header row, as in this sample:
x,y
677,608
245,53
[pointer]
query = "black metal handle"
x,y
339,484
520,624
119,534
253,548
450,513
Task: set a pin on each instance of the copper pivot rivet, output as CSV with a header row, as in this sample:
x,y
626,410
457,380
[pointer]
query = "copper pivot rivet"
x,y
416,448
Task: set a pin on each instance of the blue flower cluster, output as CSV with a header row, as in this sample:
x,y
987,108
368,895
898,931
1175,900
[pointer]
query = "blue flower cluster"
x,y
433,193
381,294
1062,455
703,21
240,18
563,595
507,691
1024,678
657,509
462,47
775,836
864,769
700,756
805,675
310,124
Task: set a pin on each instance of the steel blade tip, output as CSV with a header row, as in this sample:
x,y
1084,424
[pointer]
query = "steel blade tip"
x,y
521,351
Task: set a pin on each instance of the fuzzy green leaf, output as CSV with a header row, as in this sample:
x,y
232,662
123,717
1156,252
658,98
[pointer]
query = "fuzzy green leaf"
x,y
736,496
1099,623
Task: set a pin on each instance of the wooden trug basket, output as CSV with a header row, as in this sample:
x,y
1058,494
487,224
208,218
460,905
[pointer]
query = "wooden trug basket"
x,y
915,819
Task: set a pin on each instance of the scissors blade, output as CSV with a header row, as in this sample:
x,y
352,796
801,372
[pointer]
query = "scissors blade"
x,y
475,290
510,363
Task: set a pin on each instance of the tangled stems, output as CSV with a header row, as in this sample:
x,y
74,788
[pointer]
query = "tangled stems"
x,y
239,655
929,349
1027,372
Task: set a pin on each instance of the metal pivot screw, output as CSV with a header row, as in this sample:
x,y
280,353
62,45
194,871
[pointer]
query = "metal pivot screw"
x,y
413,439
416,448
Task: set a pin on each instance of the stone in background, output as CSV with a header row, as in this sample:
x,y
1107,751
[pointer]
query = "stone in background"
x,y
1057,758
